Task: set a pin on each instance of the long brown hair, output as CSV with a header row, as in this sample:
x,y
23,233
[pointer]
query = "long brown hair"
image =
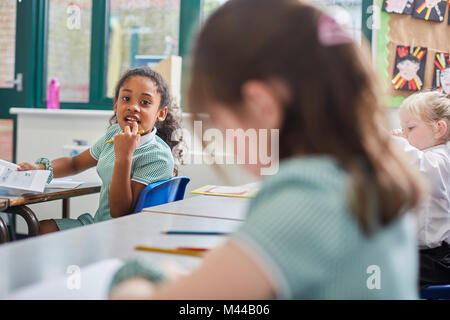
x,y
333,108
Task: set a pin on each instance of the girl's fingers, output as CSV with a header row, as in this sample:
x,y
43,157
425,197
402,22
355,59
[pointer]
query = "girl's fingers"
x,y
135,128
23,166
126,129
397,132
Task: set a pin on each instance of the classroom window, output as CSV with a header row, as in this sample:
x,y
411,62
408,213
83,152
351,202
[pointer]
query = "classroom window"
x,y
140,33
6,139
7,42
347,12
68,47
209,6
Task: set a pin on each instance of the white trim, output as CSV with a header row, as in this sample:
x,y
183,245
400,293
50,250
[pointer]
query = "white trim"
x,y
142,181
82,112
61,112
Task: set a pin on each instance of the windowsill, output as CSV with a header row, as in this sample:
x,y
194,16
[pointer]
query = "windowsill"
x,y
61,112
80,112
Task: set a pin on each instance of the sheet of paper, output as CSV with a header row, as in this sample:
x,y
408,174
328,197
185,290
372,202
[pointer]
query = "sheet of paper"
x,y
31,180
229,190
63,183
247,190
93,285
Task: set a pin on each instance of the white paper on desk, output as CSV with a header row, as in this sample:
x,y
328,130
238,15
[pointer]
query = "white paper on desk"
x,y
61,183
94,284
31,180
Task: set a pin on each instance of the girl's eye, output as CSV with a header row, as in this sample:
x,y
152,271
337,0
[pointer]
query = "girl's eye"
x,y
145,102
125,98
410,128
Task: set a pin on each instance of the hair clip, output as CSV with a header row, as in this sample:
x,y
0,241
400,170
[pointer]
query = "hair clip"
x,y
330,33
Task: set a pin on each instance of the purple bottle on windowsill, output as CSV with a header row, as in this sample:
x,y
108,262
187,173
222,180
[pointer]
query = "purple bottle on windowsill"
x,y
53,94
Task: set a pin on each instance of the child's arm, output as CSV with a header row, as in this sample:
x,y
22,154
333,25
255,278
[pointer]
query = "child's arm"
x,y
415,155
227,272
123,193
66,166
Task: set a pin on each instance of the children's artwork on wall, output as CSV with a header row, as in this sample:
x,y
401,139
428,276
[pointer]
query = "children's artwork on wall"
x,y
398,6
433,10
409,68
441,74
449,12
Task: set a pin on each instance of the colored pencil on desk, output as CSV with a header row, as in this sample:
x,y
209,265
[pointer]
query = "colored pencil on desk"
x,y
194,253
112,140
193,249
207,233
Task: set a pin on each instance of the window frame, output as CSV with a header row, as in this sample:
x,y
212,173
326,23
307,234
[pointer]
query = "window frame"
x,y
191,13
189,17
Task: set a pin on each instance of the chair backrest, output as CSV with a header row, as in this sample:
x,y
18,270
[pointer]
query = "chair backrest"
x,y
436,292
161,192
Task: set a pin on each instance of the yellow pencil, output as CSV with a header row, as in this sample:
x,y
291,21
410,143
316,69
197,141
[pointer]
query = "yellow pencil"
x,y
112,140
194,253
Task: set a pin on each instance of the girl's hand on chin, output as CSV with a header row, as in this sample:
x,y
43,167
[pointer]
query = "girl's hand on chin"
x,y
126,142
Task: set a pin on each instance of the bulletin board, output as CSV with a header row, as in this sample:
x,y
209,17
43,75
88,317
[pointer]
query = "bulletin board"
x,y
405,30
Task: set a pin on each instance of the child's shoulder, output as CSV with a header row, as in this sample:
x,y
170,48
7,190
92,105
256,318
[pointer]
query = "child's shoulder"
x,y
307,178
439,156
156,145
320,170
155,151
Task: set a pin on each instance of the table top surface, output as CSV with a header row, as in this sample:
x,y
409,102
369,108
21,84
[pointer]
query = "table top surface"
x,y
40,259
229,208
10,200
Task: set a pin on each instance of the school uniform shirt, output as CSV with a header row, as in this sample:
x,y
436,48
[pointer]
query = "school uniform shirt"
x,y
152,161
301,231
433,215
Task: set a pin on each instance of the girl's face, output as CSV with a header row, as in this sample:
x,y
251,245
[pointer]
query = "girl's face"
x,y
419,134
139,102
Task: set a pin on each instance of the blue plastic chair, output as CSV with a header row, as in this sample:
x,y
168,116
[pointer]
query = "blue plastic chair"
x,y
161,192
436,292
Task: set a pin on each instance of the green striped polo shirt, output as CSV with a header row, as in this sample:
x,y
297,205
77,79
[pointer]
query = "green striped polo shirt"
x,y
152,161
301,231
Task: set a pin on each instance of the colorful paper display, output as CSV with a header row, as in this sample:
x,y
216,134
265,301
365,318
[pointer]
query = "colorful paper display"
x,y
433,10
409,69
398,6
441,74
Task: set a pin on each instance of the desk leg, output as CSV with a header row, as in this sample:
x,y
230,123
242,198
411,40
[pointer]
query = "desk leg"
x,y
66,209
4,234
29,216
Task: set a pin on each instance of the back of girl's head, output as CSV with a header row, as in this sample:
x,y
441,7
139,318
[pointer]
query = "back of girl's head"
x,y
429,107
333,105
166,128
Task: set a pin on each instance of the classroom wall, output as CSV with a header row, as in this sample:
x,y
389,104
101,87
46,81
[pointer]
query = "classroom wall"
x,y
393,118
50,134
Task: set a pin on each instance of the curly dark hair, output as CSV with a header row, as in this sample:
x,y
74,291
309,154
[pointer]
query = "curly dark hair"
x,y
166,129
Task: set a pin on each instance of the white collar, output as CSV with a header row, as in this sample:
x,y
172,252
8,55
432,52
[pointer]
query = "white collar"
x,y
439,146
147,137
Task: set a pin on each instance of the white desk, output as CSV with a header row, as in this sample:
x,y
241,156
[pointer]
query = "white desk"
x,y
44,258
226,208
